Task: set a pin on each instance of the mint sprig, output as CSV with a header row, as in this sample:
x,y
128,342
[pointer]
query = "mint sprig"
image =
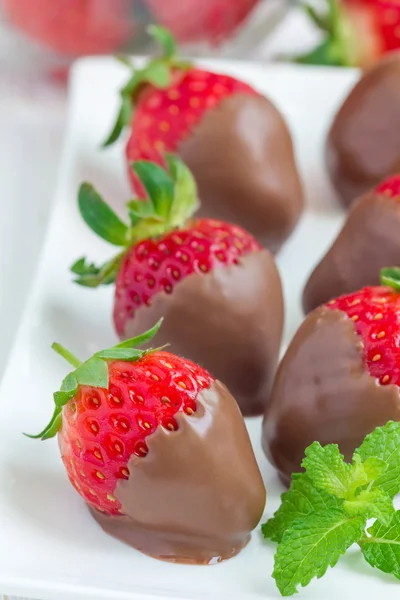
x,y
93,373
171,201
327,508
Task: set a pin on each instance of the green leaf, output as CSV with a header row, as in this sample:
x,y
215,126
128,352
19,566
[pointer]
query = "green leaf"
x,y
123,119
185,201
384,443
93,372
142,209
382,548
165,38
371,504
68,389
99,216
302,499
81,267
143,338
103,275
391,276
121,354
327,469
51,429
158,73
311,545
158,185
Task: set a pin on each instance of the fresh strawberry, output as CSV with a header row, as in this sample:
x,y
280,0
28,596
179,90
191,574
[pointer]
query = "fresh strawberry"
x,y
357,32
219,291
73,27
109,405
375,312
160,249
169,97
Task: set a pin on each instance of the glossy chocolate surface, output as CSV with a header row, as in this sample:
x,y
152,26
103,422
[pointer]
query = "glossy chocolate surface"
x,y
198,493
229,321
368,241
324,392
241,155
363,145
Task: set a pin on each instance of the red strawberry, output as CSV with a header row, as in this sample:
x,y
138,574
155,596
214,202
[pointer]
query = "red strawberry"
x,y
210,20
165,256
368,241
73,27
340,376
106,414
172,99
358,32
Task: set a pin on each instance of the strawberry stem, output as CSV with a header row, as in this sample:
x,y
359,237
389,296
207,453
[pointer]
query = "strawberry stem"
x,y
66,354
390,276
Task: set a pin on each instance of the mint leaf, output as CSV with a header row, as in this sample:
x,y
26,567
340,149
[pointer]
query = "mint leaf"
x,y
372,504
99,216
302,499
311,545
384,443
382,548
364,473
327,469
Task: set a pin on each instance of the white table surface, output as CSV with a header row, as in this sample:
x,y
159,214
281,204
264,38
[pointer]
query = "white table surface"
x,y
32,116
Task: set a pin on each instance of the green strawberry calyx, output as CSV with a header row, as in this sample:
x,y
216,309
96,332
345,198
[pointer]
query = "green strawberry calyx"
x,y
93,373
157,72
340,45
390,276
171,202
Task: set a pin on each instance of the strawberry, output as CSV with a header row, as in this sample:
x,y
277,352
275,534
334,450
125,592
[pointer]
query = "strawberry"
x,y
340,376
357,32
167,102
73,27
164,255
127,414
368,241
375,312
199,20
170,98
110,404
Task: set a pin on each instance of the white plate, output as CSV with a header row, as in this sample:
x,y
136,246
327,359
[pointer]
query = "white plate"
x,y
50,546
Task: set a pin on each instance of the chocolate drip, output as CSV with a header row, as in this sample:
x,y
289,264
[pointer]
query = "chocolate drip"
x,y
198,493
363,145
229,320
241,155
324,392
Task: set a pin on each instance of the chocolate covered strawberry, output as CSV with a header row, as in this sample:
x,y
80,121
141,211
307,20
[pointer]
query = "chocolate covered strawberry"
x,y
340,376
159,451
357,32
363,146
234,140
218,290
368,241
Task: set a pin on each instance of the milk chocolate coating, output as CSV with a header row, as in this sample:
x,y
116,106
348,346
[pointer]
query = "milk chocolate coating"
x,y
363,145
198,493
368,241
323,392
241,155
229,320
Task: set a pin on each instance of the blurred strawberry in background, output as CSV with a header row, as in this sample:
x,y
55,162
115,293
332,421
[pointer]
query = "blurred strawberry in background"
x,y
78,27
357,32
